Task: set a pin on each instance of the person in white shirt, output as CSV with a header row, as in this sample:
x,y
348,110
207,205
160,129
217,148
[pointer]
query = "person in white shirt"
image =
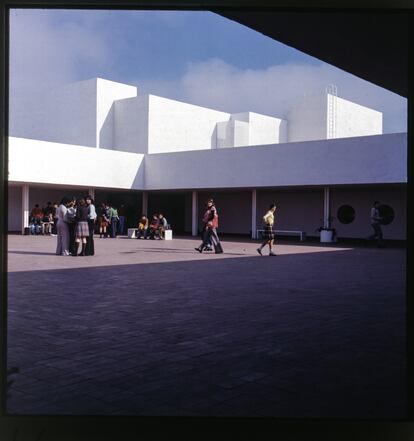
x,y
90,246
62,248
376,219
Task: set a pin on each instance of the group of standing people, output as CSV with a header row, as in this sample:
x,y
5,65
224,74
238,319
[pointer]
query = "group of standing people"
x,y
75,226
111,221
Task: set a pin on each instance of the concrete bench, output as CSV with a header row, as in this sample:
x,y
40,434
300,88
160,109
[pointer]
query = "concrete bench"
x,y
301,234
132,233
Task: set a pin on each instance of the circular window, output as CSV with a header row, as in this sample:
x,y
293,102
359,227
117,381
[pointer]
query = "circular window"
x,y
387,214
345,214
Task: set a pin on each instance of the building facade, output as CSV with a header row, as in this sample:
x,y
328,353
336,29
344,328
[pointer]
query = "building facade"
x,y
326,158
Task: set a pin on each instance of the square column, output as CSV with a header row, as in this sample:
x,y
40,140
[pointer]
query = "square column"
x,y
25,207
254,213
144,203
92,193
194,214
326,207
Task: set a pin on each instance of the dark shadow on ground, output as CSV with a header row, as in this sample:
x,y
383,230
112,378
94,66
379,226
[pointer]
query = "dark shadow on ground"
x,y
299,335
34,253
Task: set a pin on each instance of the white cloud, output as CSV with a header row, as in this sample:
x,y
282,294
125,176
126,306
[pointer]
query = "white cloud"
x,y
272,91
45,54
49,50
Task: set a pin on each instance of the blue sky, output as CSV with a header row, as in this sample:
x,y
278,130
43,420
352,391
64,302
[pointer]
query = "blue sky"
x,y
198,57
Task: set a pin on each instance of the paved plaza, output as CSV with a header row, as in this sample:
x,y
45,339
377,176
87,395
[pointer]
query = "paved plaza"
x,y
154,328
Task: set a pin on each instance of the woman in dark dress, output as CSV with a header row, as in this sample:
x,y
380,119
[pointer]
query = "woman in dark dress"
x,y
82,227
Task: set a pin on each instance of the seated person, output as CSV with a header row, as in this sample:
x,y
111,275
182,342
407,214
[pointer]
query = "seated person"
x,y
154,227
34,226
36,215
142,227
162,225
47,223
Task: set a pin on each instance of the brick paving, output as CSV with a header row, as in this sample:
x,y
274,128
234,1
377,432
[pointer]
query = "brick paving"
x,y
155,328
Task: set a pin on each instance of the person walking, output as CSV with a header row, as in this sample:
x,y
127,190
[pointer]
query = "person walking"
x,y
210,225
62,229
90,246
269,236
376,219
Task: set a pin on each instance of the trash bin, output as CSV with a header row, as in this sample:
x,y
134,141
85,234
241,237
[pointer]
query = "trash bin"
x,y
26,231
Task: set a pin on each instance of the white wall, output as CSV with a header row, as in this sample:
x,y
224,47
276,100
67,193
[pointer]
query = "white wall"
x,y
176,126
66,115
263,129
248,128
307,119
358,160
107,93
233,133
79,113
53,163
355,120
131,124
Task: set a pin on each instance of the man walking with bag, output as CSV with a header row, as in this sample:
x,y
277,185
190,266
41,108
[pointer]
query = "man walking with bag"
x,y
210,221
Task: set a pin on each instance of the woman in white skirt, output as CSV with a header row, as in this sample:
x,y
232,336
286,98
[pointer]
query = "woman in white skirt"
x,y
62,228
82,227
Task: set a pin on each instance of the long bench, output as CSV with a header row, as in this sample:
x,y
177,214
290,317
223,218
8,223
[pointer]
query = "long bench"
x,y
301,234
132,233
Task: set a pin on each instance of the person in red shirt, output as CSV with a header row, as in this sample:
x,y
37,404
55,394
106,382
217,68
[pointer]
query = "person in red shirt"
x,y
154,227
210,221
36,214
36,217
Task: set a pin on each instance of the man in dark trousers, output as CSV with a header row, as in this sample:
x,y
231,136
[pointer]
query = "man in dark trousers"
x,y
210,221
90,246
376,219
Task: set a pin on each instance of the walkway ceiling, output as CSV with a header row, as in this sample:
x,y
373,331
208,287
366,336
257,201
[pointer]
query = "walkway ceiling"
x,y
371,45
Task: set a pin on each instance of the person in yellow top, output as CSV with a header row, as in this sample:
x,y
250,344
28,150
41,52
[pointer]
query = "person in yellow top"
x,y
269,236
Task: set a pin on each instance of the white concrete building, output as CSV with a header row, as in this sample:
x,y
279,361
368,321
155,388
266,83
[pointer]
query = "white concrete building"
x,y
154,153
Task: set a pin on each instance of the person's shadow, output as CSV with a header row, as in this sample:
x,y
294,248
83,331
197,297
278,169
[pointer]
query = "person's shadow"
x,y
31,252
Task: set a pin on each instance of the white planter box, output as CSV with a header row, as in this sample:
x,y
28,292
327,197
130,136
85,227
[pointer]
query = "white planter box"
x,y
326,236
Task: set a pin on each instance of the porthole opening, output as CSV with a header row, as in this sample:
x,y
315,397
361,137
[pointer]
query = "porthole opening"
x,y
386,213
346,214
